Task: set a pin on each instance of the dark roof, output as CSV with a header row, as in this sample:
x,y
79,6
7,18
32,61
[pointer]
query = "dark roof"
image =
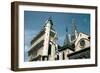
x,y
85,49
71,47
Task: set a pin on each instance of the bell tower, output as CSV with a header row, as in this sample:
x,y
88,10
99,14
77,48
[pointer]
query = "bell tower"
x,y
48,26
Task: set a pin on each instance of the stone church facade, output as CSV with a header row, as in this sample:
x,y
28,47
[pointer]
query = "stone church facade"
x,y
44,46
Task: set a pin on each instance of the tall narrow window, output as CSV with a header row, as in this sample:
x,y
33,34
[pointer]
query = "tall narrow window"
x,y
49,50
57,57
63,56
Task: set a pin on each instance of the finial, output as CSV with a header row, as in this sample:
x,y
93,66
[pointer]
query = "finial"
x,y
50,18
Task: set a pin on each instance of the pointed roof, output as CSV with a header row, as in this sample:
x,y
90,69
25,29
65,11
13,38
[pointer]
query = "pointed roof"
x,y
66,40
73,30
49,20
73,26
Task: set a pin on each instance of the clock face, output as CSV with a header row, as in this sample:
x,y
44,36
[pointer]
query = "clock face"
x,y
82,42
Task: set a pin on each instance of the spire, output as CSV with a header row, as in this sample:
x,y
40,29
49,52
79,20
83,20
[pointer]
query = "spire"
x,y
73,26
66,40
74,32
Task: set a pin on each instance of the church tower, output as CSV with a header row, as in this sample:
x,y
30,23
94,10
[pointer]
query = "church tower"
x,y
48,26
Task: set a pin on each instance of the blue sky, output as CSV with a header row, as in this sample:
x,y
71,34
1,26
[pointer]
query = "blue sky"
x,y
34,22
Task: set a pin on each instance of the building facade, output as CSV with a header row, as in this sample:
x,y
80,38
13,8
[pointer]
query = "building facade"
x,y
44,45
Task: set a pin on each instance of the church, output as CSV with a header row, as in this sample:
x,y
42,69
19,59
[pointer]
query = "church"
x,y
44,46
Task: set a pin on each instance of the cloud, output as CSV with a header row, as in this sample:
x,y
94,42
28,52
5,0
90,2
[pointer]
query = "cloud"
x,y
26,48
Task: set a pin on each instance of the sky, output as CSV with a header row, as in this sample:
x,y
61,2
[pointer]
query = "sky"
x,y
35,20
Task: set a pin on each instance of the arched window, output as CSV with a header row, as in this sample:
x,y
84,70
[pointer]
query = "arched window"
x,y
57,57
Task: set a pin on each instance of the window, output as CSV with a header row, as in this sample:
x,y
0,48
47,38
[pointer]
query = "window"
x,y
82,43
63,56
57,57
49,49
